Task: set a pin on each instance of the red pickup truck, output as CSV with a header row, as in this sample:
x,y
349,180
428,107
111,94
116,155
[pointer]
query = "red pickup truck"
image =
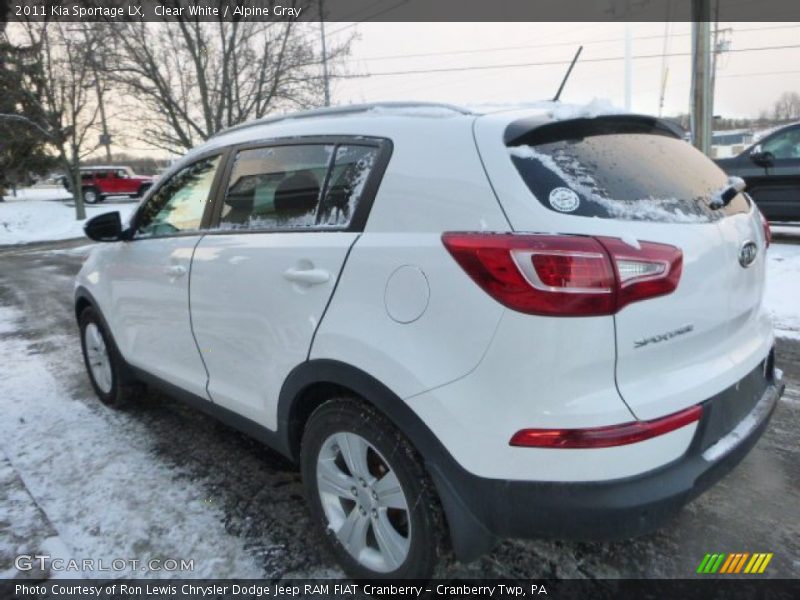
x,y
99,182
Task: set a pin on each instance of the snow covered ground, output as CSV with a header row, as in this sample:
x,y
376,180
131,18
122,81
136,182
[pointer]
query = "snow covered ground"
x,y
40,214
40,192
783,289
128,507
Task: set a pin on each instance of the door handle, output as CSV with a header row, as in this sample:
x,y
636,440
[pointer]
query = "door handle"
x,y
175,271
307,276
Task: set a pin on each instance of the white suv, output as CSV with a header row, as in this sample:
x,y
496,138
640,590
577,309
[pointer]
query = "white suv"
x,y
463,326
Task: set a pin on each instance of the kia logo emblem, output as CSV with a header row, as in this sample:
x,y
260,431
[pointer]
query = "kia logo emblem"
x,y
747,253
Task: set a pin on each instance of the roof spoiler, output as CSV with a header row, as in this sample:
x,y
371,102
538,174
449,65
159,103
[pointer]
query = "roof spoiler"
x,y
534,131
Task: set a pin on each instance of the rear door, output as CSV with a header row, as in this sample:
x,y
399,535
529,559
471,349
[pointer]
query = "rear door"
x,y
261,280
625,178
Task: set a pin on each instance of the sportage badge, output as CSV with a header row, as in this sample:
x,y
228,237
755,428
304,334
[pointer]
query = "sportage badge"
x,y
747,253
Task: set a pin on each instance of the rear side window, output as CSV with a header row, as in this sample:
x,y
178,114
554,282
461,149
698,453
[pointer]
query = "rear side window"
x,y
351,167
633,176
296,187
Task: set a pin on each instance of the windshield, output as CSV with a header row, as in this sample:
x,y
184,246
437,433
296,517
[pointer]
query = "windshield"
x,y
633,176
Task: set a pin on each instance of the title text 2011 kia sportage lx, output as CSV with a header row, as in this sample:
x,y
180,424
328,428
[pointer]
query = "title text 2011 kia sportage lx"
x,y
464,326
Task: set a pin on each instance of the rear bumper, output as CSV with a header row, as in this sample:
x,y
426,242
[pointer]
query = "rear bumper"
x,y
618,508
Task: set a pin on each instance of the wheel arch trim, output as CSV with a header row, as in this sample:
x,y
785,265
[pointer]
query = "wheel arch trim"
x,y
469,537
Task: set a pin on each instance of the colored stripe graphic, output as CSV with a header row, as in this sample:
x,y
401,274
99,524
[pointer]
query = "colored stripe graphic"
x,y
741,562
758,563
703,563
714,563
765,563
734,563
733,559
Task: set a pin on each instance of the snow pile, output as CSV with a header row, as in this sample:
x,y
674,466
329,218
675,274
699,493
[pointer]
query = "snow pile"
x,y
24,221
92,472
435,112
596,108
782,297
41,192
557,111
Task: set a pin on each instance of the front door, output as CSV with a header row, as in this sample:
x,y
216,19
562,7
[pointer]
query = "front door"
x,y
150,288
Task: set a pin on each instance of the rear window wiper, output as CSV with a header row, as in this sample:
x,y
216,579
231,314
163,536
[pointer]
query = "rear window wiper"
x,y
723,197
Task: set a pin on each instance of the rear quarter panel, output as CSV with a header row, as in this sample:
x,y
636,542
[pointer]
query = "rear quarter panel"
x,y
434,183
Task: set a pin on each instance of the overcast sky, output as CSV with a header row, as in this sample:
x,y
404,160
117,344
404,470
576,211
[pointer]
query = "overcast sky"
x,y
747,81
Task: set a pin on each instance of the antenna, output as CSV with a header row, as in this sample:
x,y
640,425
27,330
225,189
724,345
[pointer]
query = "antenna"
x,y
566,76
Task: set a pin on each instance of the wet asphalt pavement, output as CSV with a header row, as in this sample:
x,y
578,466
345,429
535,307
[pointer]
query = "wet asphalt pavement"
x,y
756,508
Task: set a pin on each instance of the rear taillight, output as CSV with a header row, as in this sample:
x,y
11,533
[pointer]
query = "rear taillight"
x,y
606,437
767,230
563,275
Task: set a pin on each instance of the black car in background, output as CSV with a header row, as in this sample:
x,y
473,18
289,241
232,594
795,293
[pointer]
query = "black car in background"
x,y
771,169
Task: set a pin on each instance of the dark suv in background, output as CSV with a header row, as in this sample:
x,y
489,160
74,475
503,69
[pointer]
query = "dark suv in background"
x,y
99,182
771,169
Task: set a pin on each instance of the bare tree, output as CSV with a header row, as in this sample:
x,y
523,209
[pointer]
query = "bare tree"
x,y
60,89
787,107
189,78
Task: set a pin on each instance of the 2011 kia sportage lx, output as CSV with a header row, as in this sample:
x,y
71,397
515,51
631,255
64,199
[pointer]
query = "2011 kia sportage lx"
x,y
463,326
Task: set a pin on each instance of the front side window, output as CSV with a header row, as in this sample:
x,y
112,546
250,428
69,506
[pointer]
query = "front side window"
x,y
784,145
179,204
296,187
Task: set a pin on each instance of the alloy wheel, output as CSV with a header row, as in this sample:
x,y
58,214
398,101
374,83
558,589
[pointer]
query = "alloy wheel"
x,y
97,357
364,502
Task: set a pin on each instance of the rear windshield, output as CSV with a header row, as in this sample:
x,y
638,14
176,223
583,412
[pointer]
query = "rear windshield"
x,y
633,176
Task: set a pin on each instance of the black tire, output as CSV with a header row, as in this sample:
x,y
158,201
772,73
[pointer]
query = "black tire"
x,y
91,195
122,390
428,549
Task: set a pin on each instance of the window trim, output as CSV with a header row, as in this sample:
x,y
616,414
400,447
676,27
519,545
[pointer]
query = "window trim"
x,y
224,157
365,202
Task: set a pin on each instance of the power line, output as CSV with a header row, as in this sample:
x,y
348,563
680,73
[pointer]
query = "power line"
x,y
548,45
554,62
758,73
372,16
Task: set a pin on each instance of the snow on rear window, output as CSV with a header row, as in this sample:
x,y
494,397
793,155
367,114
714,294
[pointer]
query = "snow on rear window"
x,y
632,176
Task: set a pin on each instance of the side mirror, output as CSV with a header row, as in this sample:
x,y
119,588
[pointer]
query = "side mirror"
x,y
104,228
760,157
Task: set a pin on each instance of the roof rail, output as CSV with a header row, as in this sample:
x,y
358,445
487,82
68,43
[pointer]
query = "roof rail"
x,y
340,110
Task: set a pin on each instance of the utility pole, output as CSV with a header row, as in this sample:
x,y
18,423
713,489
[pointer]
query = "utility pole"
x,y
628,67
702,103
326,81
